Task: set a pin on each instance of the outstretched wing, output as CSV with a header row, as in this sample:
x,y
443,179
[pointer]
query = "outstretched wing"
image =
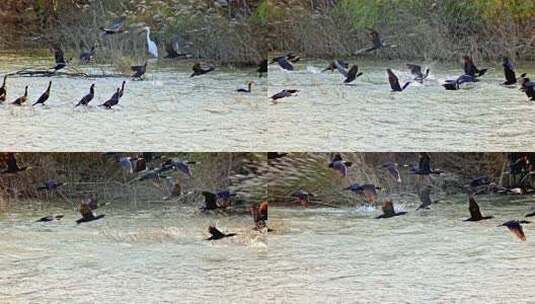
x,y
473,207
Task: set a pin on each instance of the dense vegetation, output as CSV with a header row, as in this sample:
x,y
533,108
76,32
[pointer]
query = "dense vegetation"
x,y
421,29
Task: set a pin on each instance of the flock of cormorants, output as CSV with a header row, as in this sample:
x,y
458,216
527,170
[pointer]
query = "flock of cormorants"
x,y
139,166
369,191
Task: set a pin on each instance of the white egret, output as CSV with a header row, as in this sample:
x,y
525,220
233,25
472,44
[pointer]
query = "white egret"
x,y
151,45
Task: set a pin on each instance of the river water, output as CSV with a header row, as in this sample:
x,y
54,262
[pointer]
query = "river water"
x,y
157,253
169,111
327,115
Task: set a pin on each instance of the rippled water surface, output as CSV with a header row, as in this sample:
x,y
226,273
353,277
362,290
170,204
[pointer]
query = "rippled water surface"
x,y
327,115
168,111
157,253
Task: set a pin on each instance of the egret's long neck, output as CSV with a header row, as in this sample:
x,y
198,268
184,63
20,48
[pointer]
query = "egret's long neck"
x,y
148,34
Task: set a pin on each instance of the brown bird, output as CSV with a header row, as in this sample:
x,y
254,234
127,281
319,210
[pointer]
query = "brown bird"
x,y
475,213
199,70
388,210
260,215
19,101
516,228
87,213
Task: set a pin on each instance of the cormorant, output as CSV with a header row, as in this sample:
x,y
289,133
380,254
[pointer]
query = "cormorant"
x,y
50,218
303,197
392,168
425,197
456,84
139,70
376,40
87,98
44,97
283,94
509,72
179,165
12,166
198,70
388,210
416,71
210,201
19,101
516,228
338,164
262,68
87,213
59,58
283,63
216,234
394,82
368,190
471,69
350,75
86,57
116,27
333,65
528,87
3,90
260,215
50,185
292,58
114,100
475,213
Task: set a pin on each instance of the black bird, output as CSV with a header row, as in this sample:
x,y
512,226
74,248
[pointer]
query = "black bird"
x,y
416,71
44,97
475,213
276,155
338,164
216,234
393,169
509,71
333,65
350,75
530,214
303,197
177,164
284,93
114,100
368,190
87,214
394,82
516,228
424,165
471,69
50,185
121,91
283,63
456,83
139,70
262,68
174,49
59,58
388,210
12,166
376,40
19,101
260,215
3,90
249,88
50,218
199,70
292,58
528,87
425,197
210,201
116,27
86,57
87,98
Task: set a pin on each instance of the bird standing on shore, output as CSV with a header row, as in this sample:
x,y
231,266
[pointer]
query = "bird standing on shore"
x,y
44,97
87,98
139,70
151,45
3,90
19,101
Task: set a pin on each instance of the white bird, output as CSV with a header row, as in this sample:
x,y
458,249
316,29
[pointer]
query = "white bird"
x,y
151,45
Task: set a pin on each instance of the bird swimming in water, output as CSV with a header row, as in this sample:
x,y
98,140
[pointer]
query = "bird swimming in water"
x,y
50,218
87,98
416,71
456,84
87,213
283,94
368,190
475,213
86,57
50,185
528,87
283,63
59,58
216,234
248,89
117,26
471,69
333,65
350,75
509,71
388,210
114,100
515,227
139,70
3,90
260,216
12,165
44,97
262,68
393,169
199,70
394,82
338,164
303,197
19,101
425,198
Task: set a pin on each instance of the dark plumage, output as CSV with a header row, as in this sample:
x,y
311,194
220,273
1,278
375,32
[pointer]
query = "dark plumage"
x,y
260,215
394,82
262,68
12,165
416,71
139,70
179,165
471,69
50,218
199,70
283,63
392,168
59,58
216,234
303,197
292,58
44,97
114,100
333,65
368,190
87,214
87,98
3,90
338,164
389,211
117,26
50,185
86,57
284,93
528,87
475,213
516,228
210,201
19,101
456,84
509,71
350,75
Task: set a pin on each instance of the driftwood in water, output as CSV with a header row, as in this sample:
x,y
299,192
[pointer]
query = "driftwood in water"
x,y
53,73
